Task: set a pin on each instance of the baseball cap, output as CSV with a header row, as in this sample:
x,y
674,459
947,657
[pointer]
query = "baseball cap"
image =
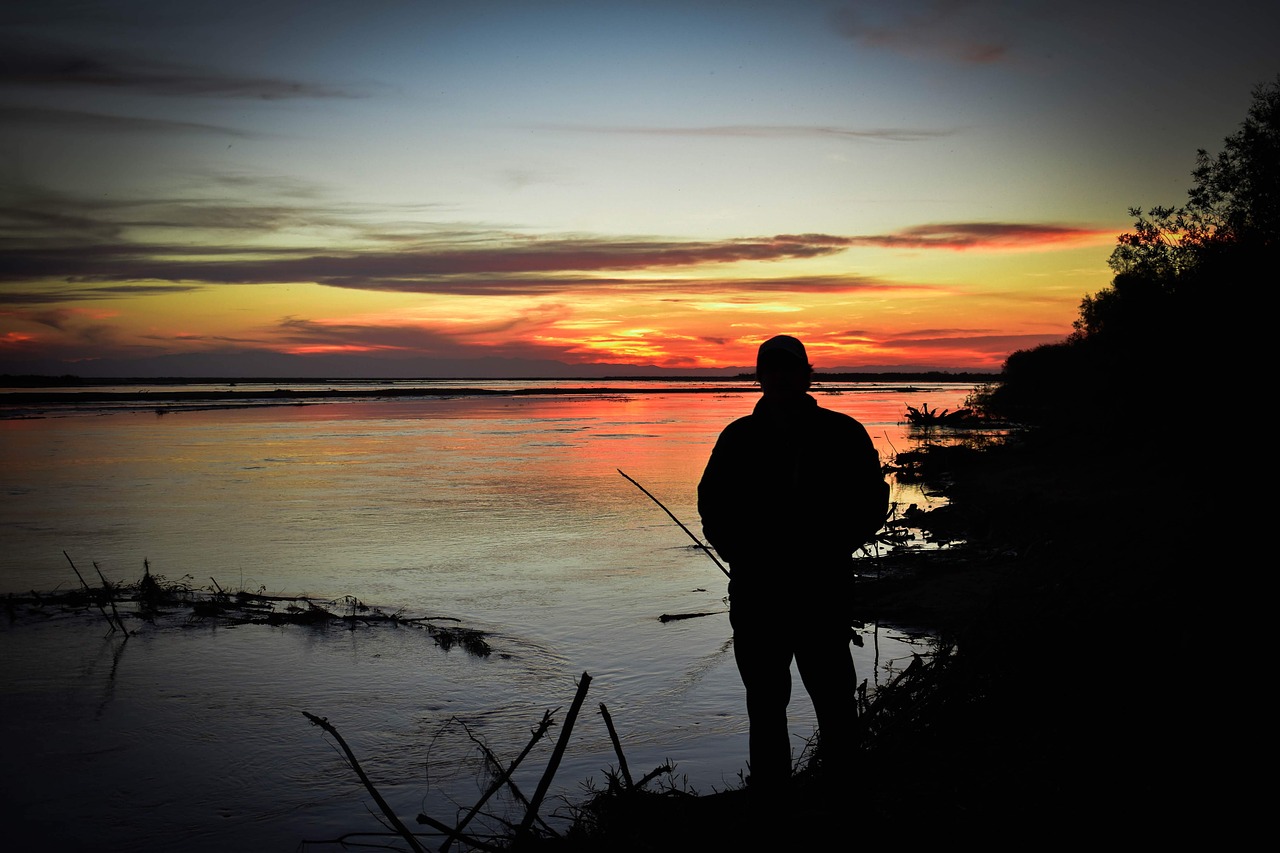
x,y
781,348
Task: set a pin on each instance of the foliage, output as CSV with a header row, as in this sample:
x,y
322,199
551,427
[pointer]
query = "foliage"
x,y
926,417
1239,190
1173,307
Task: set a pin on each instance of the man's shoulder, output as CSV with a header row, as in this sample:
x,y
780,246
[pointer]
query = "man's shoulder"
x,y
837,418
744,424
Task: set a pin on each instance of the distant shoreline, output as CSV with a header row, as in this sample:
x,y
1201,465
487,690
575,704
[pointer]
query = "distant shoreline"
x,y
170,390
70,381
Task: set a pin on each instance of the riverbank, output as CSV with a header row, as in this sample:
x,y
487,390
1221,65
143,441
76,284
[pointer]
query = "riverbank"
x,y
1057,706
233,496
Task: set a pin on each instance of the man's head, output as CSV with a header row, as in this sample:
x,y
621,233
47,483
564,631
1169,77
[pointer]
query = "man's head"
x,y
782,367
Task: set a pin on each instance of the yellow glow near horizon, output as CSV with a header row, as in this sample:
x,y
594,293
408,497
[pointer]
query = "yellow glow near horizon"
x,y
508,181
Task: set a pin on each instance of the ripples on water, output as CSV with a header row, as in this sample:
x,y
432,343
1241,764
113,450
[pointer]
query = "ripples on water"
x,y
506,512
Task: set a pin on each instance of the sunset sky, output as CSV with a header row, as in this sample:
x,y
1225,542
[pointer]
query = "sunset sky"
x,y
904,185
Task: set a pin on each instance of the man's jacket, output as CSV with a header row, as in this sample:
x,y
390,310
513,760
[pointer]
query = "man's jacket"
x,y
793,483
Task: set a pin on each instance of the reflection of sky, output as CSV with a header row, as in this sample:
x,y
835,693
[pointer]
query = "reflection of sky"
x,y
592,182
505,512
310,494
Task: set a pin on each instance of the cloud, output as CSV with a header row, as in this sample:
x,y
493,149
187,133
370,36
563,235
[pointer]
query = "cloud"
x,y
47,66
90,253
503,265
748,131
964,236
17,341
964,31
56,295
507,338
741,291
87,122
188,337
37,219
299,333
994,344
924,334
58,318
520,179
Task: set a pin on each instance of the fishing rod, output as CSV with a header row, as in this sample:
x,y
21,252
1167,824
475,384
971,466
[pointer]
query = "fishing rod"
x,y
696,540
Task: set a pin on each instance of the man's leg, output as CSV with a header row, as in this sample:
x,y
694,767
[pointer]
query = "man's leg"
x,y
763,654
826,668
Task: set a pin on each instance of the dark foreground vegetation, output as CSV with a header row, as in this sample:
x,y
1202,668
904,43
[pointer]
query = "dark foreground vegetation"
x,y
1062,703
1071,698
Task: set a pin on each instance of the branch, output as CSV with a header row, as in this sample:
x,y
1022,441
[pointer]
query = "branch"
x,y
502,779
445,828
557,754
87,589
696,540
655,773
106,588
617,746
408,836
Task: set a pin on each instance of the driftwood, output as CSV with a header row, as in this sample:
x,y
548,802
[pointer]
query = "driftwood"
x,y
492,761
674,617
154,597
448,830
556,755
660,770
399,827
626,805
617,746
96,600
504,779
106,590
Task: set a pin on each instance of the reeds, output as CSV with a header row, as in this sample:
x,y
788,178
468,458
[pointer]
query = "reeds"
x,y
597,817
156,601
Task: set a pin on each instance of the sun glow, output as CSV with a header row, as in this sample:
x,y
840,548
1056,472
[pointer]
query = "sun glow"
x,y
470,184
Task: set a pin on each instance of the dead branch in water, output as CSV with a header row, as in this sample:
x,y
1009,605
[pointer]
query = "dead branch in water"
x,y
154,598
408,836
556,755
705,548
106,589
89,590
503,779
617,746
623,801
675,617
448,830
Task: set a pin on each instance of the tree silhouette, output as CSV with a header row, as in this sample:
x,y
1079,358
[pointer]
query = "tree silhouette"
x,y
1180,290
1238,191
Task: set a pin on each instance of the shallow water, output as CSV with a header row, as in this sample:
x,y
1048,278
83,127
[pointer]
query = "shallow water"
x,y
505,512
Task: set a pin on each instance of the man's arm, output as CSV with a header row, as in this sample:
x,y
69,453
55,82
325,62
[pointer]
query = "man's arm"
x,y
719,499
868,491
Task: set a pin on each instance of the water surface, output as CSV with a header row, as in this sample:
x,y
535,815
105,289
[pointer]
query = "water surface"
x,y
506,512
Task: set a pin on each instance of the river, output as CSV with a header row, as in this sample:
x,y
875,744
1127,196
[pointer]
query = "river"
x,y
504,511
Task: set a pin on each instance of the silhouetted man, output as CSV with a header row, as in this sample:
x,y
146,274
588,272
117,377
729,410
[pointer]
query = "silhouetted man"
x,y
790,492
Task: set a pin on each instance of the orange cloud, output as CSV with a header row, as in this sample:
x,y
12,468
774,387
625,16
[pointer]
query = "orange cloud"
x,y
448,269
15,340
988,236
